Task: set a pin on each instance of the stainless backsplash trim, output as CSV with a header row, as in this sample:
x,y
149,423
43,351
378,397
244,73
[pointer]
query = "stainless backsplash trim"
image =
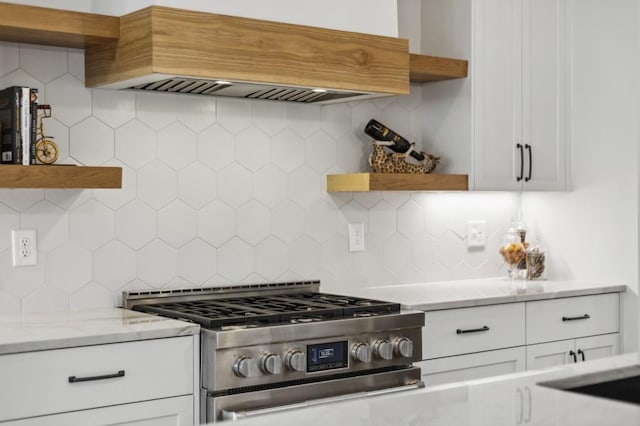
x,y
144,297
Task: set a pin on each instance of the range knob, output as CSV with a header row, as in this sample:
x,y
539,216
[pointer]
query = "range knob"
x,y
245,367
383,349
295,360
271,363
403,347
361,352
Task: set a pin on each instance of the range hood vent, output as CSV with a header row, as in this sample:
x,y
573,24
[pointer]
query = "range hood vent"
x,y
195,86
169,50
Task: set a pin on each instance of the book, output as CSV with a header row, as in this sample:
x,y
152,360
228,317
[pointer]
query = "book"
x,y
25,126
34,125
10,144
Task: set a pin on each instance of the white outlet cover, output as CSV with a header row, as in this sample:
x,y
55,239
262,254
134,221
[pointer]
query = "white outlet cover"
x,y
25,247
356,236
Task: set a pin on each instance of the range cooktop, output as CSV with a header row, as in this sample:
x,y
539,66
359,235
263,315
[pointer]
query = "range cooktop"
x,y
258,311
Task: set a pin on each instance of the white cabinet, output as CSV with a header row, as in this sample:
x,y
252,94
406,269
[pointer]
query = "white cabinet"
x,y
176,411
472,343
472,366
519,94
466,330
553,354
516,93
484,341
576,329
570,317
93,377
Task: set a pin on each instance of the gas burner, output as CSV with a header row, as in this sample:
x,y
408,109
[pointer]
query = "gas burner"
x,y
260,311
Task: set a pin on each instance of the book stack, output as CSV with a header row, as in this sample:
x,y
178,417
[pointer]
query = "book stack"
x,y
18,125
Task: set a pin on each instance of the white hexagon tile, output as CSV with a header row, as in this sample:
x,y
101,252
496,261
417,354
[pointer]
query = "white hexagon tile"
x,y
177,146
197,185
253,148
197,261
216,147
271,258
253,222
219,192
216,223
287,150
135,144
157,263
114,107
136,224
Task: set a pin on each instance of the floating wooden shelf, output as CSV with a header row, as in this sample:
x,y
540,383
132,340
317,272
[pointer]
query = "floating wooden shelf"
x,y
59,176
424,68
362,182
55,27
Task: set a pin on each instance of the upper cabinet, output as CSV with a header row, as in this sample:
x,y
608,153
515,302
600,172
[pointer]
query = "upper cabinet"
x,y
506,125
519,94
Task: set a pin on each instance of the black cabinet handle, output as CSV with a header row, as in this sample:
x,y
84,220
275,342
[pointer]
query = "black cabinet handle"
x,y
585,316
528,148
74,379
573,354
519,178
581,353
472,330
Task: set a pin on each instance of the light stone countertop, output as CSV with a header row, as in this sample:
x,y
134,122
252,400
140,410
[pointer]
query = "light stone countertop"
x,y
478,292
504,400
36,332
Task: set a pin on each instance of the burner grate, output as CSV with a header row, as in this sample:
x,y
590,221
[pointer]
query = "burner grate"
x,y
258,311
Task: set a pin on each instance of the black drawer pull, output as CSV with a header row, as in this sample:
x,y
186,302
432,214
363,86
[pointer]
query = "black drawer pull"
x,y
519,178
573,354
585,316
528,148
74,379
581,353
472,330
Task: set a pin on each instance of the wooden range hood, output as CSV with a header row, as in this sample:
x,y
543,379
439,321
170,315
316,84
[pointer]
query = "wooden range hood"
x,y
182,51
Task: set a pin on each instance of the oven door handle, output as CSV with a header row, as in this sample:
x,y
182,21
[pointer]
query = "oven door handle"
x,y
236,415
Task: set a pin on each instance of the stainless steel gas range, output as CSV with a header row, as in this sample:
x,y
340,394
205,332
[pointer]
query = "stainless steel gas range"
x,y
271,347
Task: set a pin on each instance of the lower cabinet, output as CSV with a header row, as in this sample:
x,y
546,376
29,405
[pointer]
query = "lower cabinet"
x,y
472,366
552,354
176,411
483,341
145,382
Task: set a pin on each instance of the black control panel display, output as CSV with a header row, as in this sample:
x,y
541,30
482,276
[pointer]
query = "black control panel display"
x,y
327,356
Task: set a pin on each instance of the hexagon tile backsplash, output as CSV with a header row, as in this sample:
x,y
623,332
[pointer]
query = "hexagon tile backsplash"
x,y
222,191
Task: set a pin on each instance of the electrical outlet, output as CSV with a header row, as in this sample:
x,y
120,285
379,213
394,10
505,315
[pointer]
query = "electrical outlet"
x,y
476,233
356,236
25,247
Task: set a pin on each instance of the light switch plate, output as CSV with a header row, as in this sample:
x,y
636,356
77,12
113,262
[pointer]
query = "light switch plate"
x,y
476,233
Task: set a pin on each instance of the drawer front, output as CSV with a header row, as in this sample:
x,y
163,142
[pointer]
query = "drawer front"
x,y
465,330
37,383
473,366
571,317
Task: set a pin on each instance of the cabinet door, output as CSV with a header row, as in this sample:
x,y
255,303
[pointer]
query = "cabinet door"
x,y
519,90
472,366
596,347
176,411
543,93
546,355
497,102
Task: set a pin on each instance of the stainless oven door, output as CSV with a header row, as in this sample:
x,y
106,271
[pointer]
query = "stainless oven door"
x,y
248,404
